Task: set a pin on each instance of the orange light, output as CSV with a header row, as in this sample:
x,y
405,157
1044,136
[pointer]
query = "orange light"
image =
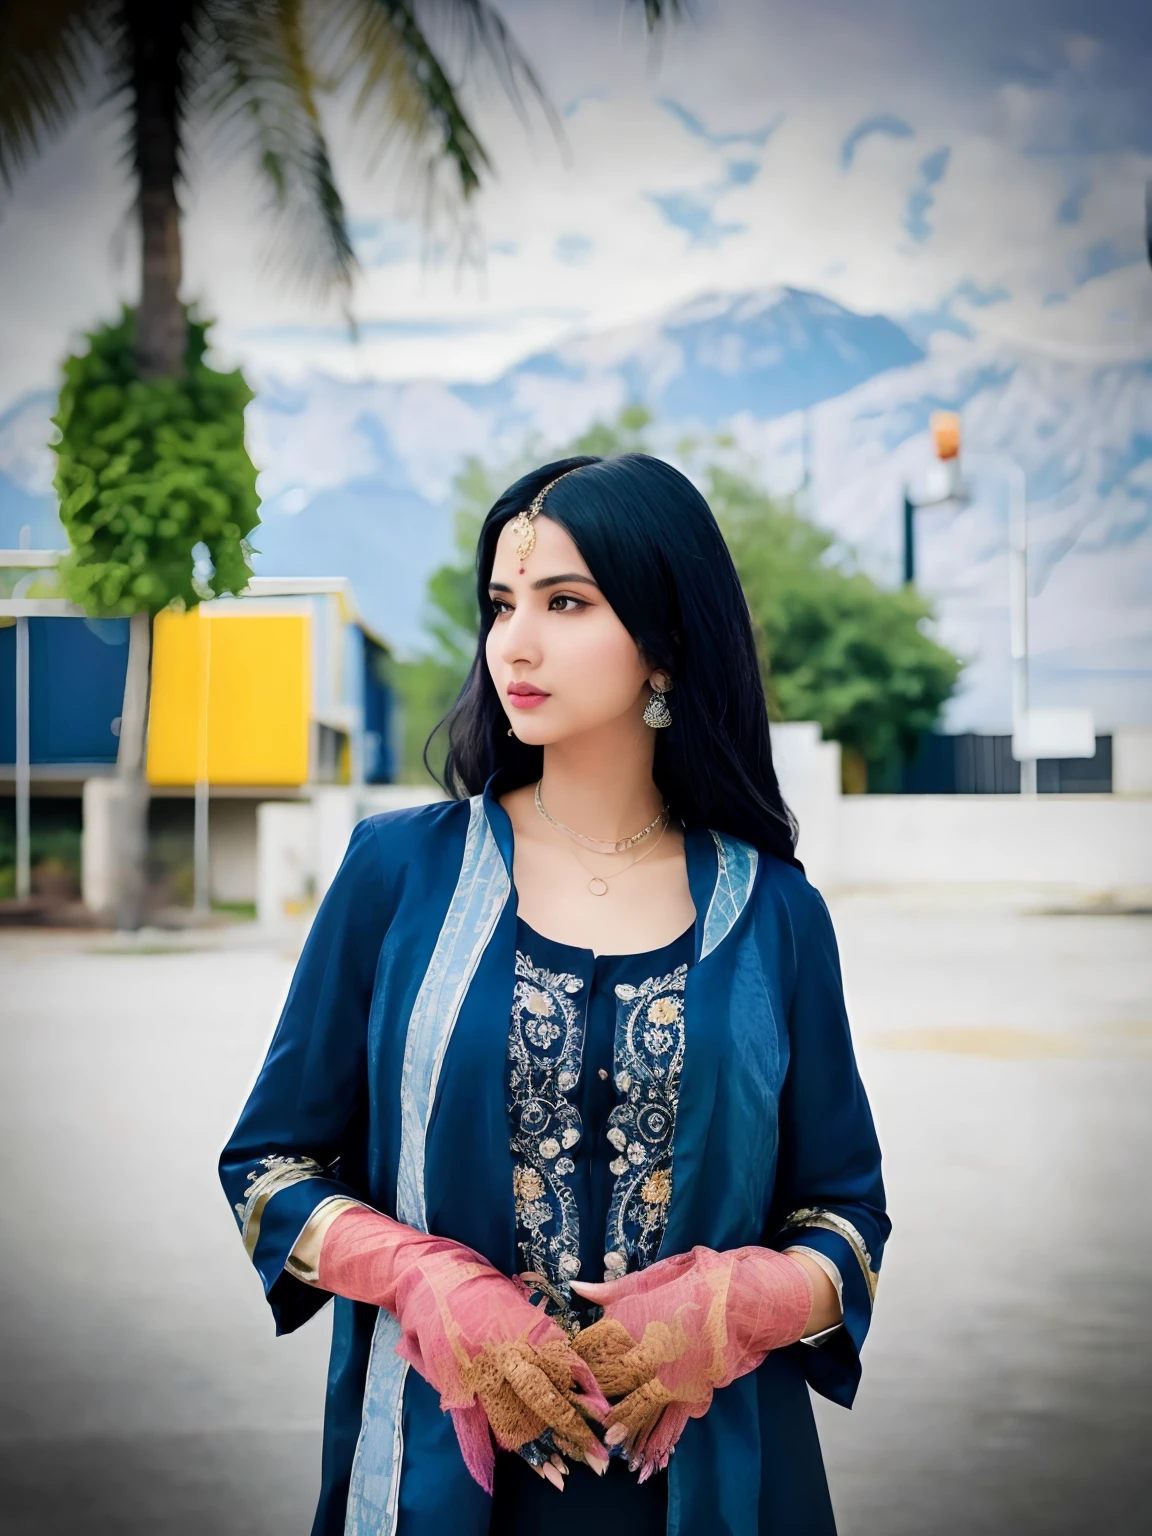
x,y
945,427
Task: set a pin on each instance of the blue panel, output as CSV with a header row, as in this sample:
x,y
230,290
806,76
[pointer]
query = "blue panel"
x,y
379,753
8,693
76,673
77,669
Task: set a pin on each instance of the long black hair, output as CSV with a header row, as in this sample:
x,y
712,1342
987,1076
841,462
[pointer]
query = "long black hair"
x,y
651,542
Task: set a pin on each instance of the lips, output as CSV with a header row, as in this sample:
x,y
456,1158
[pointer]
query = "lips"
x,y
525,695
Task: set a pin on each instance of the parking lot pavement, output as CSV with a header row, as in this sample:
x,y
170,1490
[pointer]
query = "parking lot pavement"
x,y
1007,1378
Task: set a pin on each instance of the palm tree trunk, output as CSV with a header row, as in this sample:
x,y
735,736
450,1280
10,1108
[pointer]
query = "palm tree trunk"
x,y
131,886
160,35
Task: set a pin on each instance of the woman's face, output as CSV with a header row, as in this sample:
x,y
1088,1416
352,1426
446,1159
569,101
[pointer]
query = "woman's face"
x,y
560,659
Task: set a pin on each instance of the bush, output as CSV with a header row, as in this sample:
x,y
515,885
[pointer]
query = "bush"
x,y
146,472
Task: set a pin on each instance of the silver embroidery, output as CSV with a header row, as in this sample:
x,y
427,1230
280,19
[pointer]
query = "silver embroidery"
x,y
545,1046
648,1058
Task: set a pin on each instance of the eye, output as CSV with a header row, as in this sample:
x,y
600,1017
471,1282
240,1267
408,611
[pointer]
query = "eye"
x,y
573,604
499,605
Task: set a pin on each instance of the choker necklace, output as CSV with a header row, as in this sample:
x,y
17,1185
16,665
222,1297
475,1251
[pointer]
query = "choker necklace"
x,y
594,844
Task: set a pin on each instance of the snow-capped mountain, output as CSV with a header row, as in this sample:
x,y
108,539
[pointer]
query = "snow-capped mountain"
x,y
357,476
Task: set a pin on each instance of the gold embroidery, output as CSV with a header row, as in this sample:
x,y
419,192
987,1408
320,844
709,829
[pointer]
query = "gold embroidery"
x,y
832,1221
280,1172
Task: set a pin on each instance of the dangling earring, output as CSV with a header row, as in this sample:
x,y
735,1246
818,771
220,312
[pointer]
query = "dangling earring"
x,y
656,711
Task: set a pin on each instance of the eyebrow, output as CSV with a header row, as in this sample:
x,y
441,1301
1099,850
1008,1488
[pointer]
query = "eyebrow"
x,y
547,581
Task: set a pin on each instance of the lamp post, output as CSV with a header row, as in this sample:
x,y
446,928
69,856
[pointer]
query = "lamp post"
x,y
1018,617
946,436
945,428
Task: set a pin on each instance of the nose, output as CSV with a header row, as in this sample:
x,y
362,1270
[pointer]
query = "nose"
x,y
519,637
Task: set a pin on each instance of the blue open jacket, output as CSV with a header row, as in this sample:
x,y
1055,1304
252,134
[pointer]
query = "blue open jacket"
x,y
385,1081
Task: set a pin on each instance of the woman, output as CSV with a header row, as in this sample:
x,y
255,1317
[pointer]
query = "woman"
x,y
562,1106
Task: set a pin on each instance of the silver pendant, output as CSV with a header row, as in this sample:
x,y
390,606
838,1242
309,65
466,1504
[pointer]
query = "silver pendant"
x,y
597,886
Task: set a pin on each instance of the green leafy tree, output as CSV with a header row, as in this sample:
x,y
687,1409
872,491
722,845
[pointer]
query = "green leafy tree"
x,y
833,646
427,685
258,73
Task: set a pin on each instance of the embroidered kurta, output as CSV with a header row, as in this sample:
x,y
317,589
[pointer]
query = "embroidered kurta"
x,y
388,1081
595,1052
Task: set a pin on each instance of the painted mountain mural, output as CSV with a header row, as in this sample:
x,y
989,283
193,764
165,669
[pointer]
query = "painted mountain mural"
x,y
357,476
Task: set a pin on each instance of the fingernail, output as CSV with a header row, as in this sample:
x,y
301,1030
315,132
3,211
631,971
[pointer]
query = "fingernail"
x,y
553,1476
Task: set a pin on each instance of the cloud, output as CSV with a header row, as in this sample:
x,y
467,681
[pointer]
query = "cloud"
x,y
695,212
693,215
833,68
570,108
376,330
980,298
741,173
1104,257
883,122
1071,207
574,250
923,323
384,242
921,199
755,137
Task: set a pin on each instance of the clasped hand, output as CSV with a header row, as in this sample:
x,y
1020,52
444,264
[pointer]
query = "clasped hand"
x,y
669,1336
674,1332
504,1371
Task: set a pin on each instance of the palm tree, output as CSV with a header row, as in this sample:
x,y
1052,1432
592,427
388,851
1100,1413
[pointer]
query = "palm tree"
x,y
257,70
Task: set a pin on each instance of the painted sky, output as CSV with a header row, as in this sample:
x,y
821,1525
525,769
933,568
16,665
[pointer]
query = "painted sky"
x,y
973,166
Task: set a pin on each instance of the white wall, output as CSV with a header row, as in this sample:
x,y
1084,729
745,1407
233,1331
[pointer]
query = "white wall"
x,y
1092,842
809,772
101,806
1096,842
1132,760
285,862
300,845
232,850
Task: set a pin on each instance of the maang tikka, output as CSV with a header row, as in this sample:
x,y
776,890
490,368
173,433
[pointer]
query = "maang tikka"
x,y
522,523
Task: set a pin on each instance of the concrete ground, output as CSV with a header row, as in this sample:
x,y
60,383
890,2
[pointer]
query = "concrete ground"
x,y
1008,1378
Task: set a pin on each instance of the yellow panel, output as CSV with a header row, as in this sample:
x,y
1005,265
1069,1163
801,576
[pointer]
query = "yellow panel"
x,y
177,699
256,672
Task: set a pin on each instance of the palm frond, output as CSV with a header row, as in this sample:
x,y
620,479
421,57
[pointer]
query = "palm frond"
x,y
397,51
263,88
47,52
658,12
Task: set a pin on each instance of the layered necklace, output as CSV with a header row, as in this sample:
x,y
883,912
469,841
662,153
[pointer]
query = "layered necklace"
x,y
598,884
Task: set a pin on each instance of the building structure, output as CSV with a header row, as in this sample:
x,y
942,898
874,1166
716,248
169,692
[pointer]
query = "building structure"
x,y
265,696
